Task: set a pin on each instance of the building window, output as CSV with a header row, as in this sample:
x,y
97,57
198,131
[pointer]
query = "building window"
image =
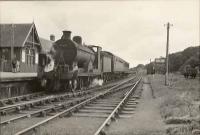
x,y
30,56
27,56
5,53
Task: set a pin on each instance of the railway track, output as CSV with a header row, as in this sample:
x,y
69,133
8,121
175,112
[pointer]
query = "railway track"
x,y
16,104
128,101
57,107
27,97
17,107
13,100
64,109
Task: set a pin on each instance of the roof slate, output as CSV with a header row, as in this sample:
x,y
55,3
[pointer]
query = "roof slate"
x,y
20,33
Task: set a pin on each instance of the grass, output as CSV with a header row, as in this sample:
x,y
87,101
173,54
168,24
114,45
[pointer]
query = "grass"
x,y
177,100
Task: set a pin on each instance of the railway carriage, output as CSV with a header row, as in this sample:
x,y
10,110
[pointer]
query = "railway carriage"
x,y
113,67
106,63
120,67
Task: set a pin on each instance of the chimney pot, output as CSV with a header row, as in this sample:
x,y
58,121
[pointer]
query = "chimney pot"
x,y
52,37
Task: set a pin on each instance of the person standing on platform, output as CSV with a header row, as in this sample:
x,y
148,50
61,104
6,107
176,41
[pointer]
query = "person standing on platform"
x,y
14,64
3,60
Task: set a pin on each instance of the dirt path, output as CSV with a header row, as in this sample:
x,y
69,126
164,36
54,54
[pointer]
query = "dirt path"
x,y
145,121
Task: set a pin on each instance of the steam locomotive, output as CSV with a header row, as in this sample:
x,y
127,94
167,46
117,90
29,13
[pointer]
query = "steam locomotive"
x,y
73,65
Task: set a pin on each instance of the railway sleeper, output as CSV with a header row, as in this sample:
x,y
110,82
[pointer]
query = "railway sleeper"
x,y
42,103
68,114
108,122
128,112
48,101
130,106
57,99
102,132
76,109
3,113
26,98
18,109
43,114
61,98
117,114
27,106
17,99
113,118
2,104
54,110
32,105
11,101
64,106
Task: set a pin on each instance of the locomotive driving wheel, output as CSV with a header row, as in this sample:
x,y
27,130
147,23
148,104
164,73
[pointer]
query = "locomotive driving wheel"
x,y
56,85
80,84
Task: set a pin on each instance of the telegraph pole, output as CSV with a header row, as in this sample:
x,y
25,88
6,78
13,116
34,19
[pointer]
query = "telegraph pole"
x,y
167,55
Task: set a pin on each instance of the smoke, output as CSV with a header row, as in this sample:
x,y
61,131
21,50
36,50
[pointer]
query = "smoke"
x,y
50,66
97,82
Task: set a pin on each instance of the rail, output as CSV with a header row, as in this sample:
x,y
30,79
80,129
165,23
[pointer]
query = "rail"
x,y
117,108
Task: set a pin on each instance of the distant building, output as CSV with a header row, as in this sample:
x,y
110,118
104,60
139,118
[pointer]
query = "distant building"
x,y
160,60
21,42
159,65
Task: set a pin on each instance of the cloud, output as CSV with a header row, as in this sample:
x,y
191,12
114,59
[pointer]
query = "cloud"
x,y
133,30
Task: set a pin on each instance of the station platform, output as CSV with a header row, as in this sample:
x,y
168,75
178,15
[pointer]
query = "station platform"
x,y
9,76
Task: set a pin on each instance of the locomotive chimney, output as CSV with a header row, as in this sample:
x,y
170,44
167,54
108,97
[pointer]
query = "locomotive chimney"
x,y
52,37
77,39
66,34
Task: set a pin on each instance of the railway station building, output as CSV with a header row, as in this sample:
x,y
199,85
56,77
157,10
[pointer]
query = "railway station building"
x,y
19,42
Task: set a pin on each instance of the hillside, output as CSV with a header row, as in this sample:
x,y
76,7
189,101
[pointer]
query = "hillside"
x,y
189,56
177,61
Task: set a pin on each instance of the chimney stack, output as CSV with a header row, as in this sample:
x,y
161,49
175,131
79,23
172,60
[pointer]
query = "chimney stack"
x,y
77,39
66,34
52,37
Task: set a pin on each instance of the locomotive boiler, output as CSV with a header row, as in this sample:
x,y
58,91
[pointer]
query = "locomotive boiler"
x,y
70,54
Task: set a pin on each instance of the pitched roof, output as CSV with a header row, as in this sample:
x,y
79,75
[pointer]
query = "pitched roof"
x,y
20,33
46,45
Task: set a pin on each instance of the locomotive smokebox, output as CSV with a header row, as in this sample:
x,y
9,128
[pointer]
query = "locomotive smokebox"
x,y
77,39
66,34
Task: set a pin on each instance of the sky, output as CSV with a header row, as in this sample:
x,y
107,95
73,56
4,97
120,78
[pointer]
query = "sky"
x,y
133,30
